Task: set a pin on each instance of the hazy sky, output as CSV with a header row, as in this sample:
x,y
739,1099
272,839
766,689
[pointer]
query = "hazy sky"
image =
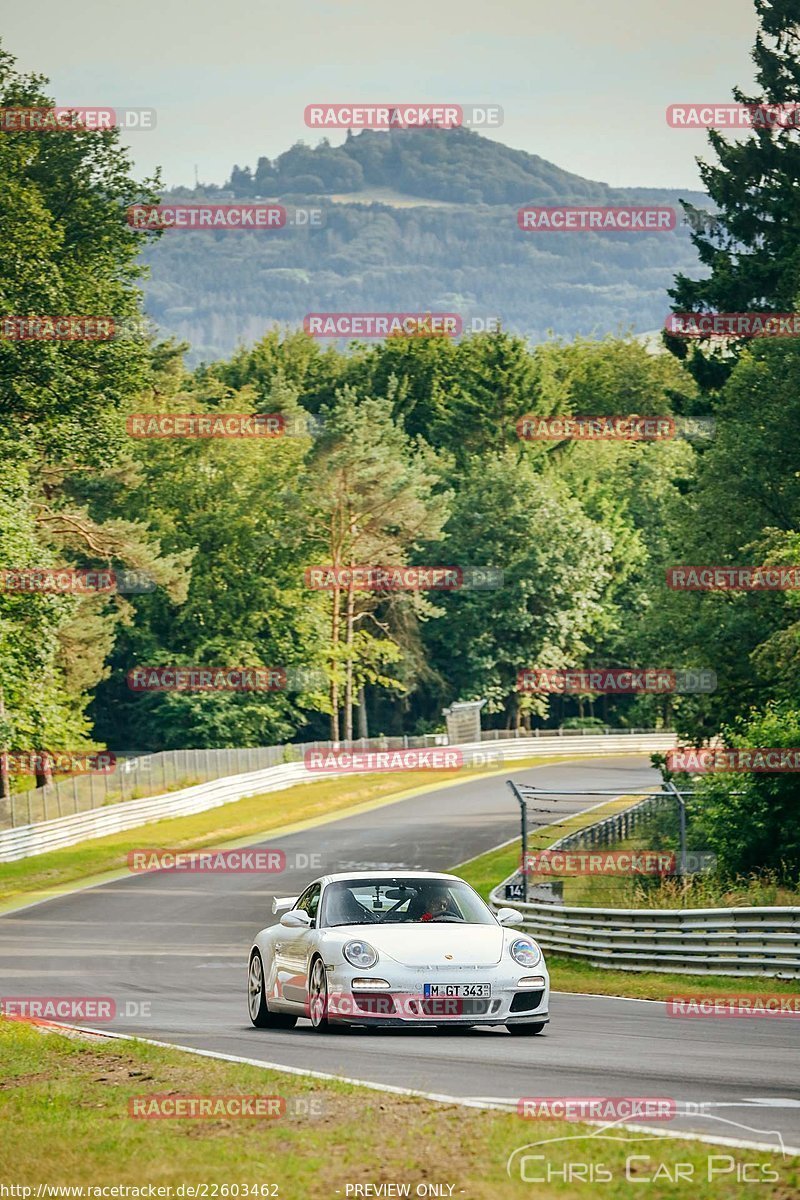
x,y
583,83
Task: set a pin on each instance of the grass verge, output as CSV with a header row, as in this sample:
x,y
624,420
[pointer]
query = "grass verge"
x,y
574,975
699,890
487,870
64,1105
238,822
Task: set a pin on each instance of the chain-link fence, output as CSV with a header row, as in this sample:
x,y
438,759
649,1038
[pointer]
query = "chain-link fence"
x,y
135,776
615,828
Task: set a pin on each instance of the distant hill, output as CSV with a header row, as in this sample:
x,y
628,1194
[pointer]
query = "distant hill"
x,y
461,251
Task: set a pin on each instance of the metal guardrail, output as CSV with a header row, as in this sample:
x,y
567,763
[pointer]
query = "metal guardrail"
x,y
692,941
37,838
137,775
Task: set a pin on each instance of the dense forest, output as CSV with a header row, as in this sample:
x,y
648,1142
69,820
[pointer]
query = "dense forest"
x,y
450,243
398,452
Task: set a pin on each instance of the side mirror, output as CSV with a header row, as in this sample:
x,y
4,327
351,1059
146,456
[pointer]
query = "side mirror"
x,y
509,916
296,919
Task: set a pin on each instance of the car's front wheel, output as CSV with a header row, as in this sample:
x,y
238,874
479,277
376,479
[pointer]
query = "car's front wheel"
x,y
529,1027
318,996
318,1001
257,1005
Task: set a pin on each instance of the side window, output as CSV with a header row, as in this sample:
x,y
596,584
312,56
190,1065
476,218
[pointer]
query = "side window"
x,y
309,901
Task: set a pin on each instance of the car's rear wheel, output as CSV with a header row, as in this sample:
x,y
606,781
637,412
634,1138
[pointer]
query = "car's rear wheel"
x,y
529,1027
257,1005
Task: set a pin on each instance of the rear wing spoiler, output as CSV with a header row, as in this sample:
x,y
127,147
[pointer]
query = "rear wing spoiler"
x,y
283,903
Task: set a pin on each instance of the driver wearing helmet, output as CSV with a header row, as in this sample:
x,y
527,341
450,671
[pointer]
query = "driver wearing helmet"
x,y
431,902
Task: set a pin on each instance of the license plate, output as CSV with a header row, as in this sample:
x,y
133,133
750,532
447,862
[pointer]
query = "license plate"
x,y
458,989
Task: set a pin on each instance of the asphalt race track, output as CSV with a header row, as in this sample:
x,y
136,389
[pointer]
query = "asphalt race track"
x,y
177,944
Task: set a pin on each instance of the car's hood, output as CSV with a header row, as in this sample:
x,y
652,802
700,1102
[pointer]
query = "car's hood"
x,y
440,944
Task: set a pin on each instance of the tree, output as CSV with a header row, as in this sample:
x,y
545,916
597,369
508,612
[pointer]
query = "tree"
x,y
241,182
375,498
744,510
555,564
752,251
756,830
65,249
235,512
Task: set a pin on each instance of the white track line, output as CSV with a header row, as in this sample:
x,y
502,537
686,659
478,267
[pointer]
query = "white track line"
x,y
436,1097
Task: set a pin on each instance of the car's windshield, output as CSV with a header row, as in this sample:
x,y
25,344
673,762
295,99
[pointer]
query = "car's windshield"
x,y
402,901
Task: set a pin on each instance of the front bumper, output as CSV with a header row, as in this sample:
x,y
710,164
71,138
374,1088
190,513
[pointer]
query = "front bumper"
x,y
403,1002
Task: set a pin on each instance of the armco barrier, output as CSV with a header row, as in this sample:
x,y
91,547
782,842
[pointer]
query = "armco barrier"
x,y
28,840
139,774
690,941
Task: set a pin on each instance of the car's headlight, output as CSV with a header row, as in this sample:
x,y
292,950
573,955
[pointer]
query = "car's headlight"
x,y
525,952
360,954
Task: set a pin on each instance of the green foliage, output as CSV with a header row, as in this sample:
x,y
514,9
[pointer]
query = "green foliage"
x,y
751,253
457,249
233,515
757,829
65,250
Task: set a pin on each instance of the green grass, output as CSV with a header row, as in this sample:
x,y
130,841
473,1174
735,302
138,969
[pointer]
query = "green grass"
x,y
573,975
672,892
239,821
64,1105
487,870
244,820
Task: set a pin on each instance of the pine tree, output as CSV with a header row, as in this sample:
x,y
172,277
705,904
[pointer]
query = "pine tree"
x,y
752,250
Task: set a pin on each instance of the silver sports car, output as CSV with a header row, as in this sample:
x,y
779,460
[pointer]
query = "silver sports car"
x,y
396,948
